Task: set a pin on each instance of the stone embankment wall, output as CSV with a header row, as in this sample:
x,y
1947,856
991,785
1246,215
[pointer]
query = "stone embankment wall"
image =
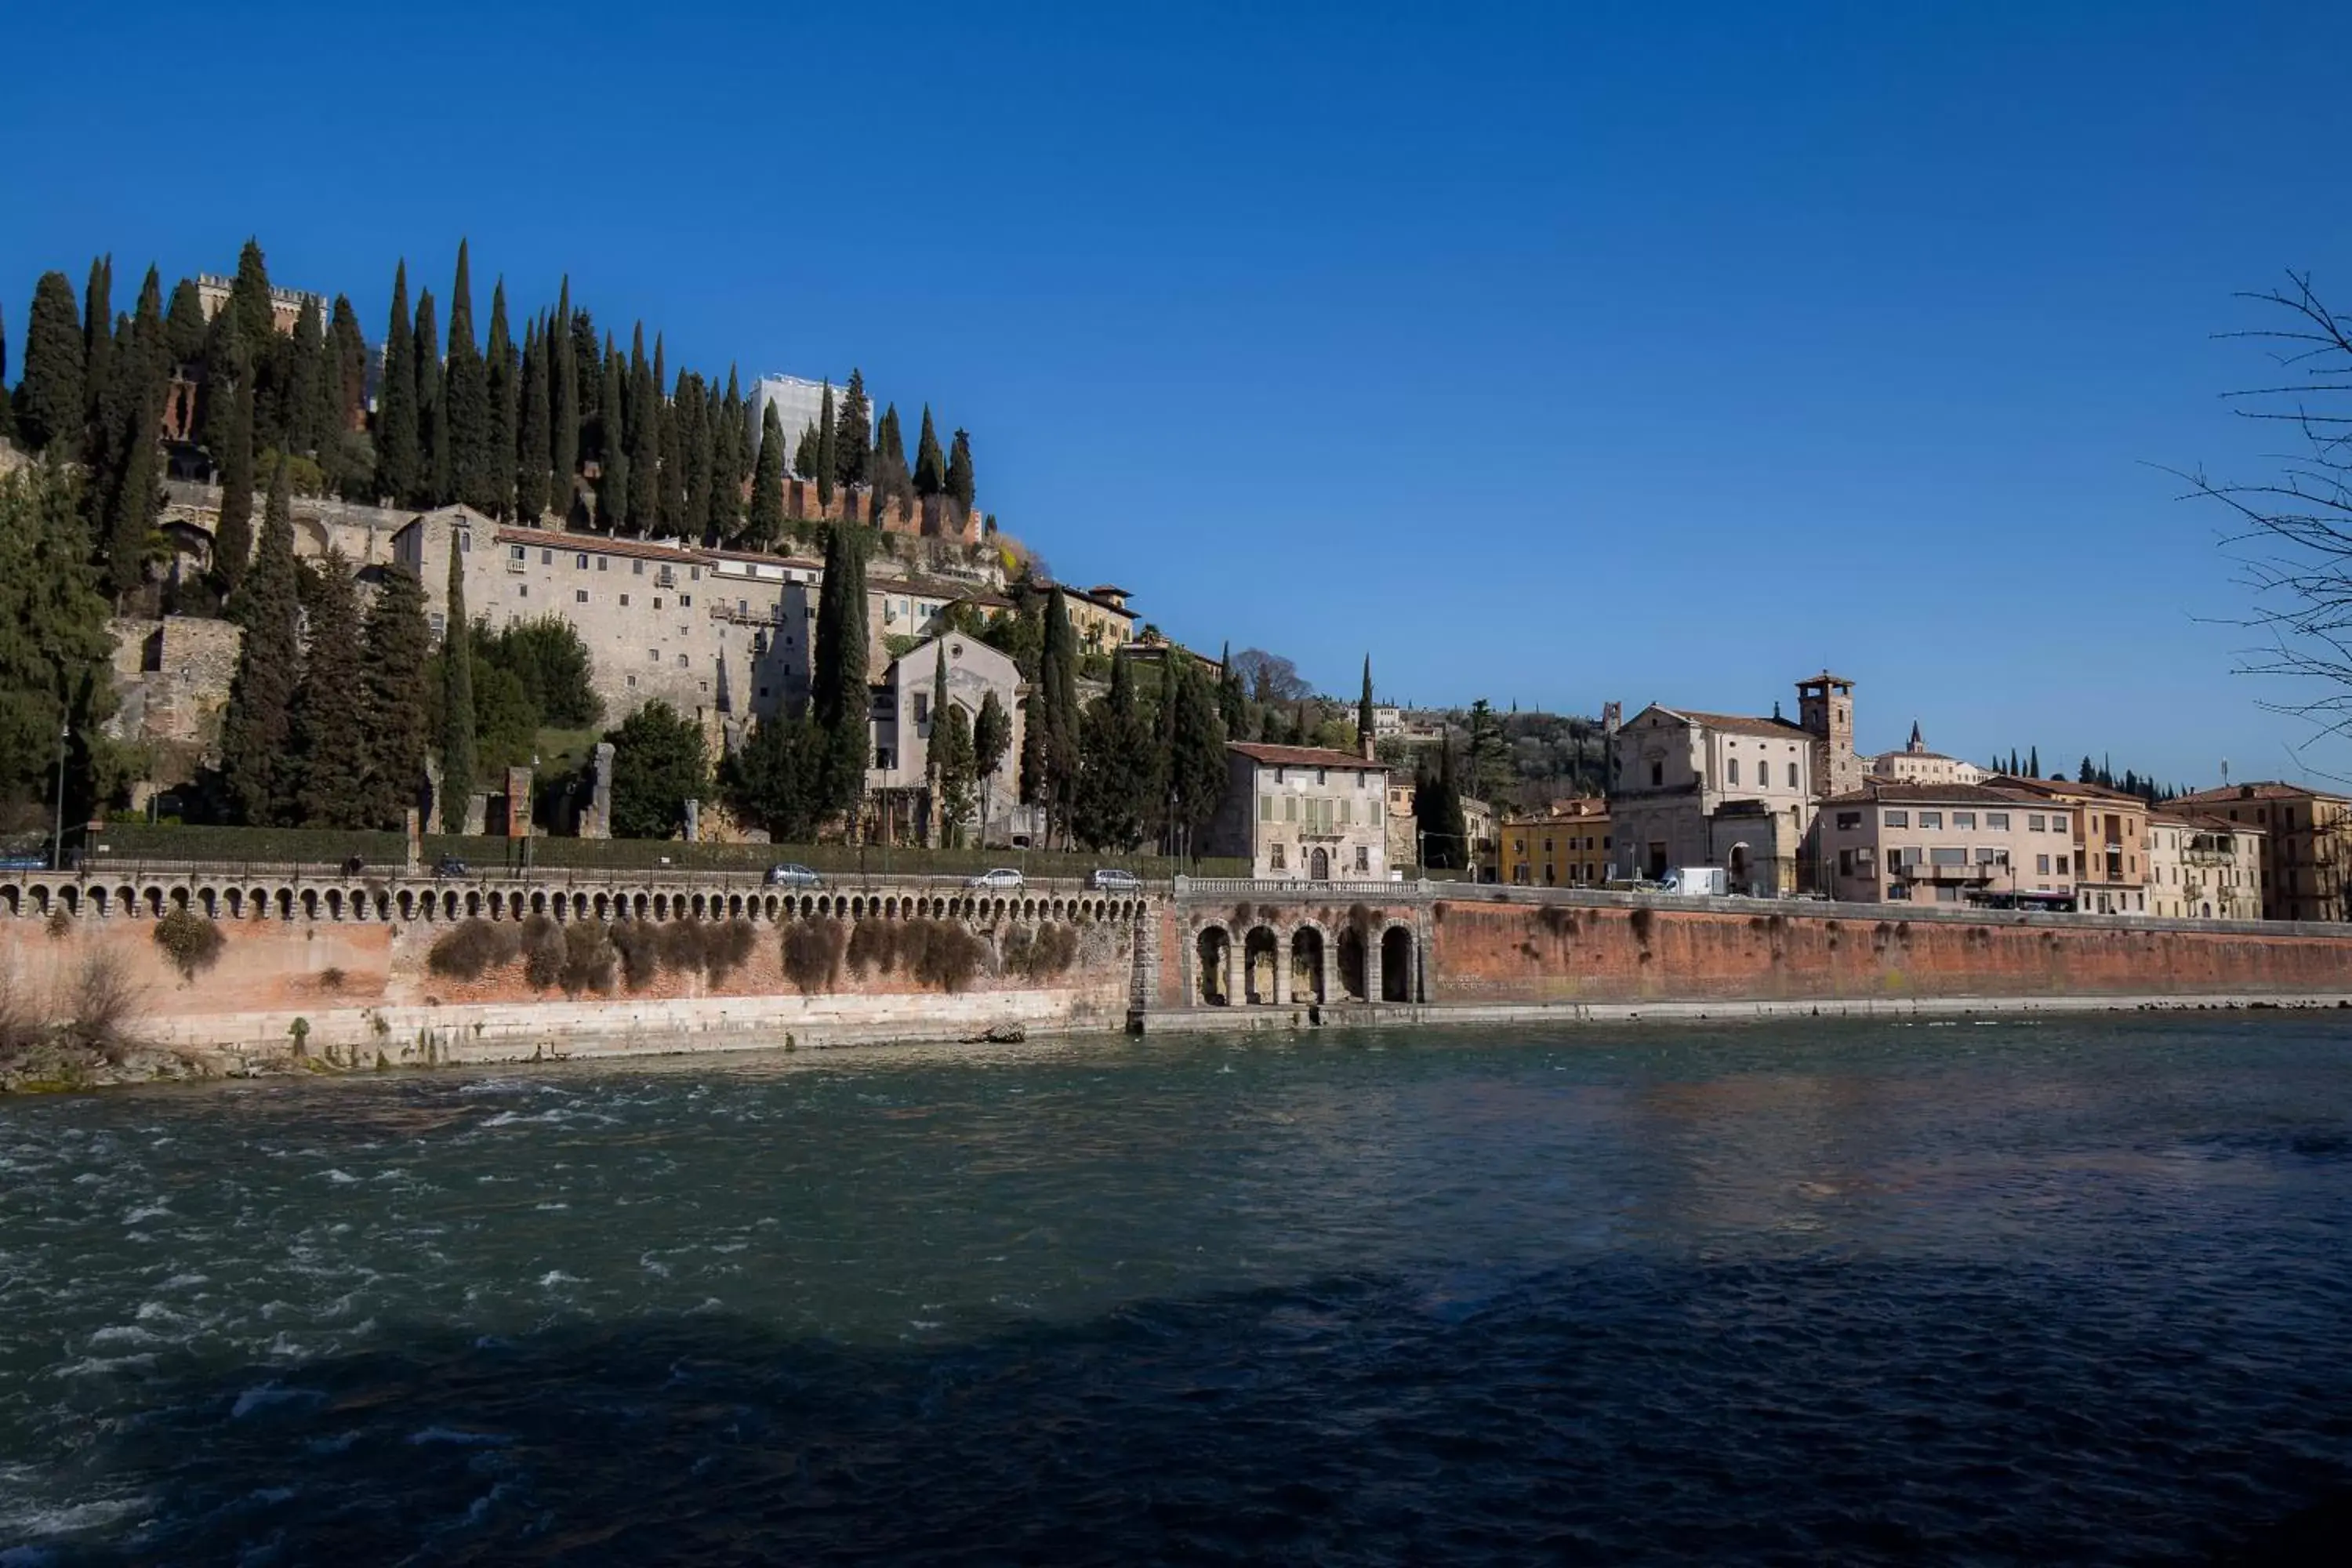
x,y
366,988
1554,952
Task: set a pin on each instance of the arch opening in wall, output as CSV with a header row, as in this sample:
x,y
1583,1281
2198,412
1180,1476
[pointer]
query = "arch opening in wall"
x,y
1307,964
1397,964
179,897
11,898
408,904
473,905
98,901
70,898
126,901
155,903
334,903
1215,951
311,903
1261,953
1351,964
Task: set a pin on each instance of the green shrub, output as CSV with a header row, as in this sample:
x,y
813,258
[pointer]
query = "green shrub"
x,y
472,950
193,941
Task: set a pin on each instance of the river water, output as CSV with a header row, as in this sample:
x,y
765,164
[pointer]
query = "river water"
x,y
2049,1291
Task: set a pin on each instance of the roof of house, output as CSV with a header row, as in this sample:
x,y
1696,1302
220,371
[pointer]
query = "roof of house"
x,y
597,544
1738,723
2269,789
2054,789
1907,791
2171,816
1302,756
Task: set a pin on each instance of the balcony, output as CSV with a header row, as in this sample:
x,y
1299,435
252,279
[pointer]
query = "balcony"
x,y
1980,871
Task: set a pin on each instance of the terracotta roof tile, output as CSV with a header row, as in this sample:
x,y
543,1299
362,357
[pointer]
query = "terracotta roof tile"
x,y
1302,756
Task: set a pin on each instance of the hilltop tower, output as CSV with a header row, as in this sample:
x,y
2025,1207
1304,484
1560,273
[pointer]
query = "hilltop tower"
x,y
1825,711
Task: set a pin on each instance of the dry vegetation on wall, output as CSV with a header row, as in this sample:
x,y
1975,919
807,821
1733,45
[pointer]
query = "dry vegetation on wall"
x,y
193,941
813,953
1041,954
471,951
944,954
57,1040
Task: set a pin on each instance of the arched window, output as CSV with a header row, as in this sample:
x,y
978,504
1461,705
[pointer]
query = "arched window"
x,y
1731,771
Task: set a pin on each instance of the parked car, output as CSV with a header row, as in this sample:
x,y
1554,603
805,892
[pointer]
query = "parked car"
x,y
1003,879
1114,879
450,866
793,874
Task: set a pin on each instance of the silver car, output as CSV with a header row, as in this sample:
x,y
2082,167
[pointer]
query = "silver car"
x,y
1113,880
1004,878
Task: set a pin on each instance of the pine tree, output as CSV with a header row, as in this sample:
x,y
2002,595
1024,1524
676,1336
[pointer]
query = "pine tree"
x,y
563,402
840,702
399,459
434,471
534,436
55,650
827,449
50,395
233,536
644,438
456,700
256,726
505,374
931,475
97,352
770,781
475,470
853,435
959,481
399,643
992,736
184,324
331,742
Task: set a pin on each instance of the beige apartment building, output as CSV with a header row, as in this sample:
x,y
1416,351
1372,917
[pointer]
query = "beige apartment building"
x,y
1949,844
2306,853
1303,813
2202,867
2110,830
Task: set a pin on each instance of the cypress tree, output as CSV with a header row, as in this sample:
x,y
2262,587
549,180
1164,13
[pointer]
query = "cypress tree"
x,y
233,538
827,449
1195,780
55,649
398,642
248,300
1364,710
588,372
930,474
1233,707
331,741
456,700
767,524
808,454
840,702
890,454
256,726
50,394
1118,767
433,475
959,481
613,481
506,407
669,494
1050,752
184,324
730,462
98,351
141,371
563,425
691,420
853,435
534,436
307,422
992,736
471,422
645,420
399,459
347,386
2033,763
7,403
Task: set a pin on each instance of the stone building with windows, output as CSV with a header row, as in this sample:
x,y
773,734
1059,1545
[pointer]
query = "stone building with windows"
x,y
1718,789
1915,764
905,709
2202,867
1908,842
1566,847
2110,832
2307,845
1099,617
1302,814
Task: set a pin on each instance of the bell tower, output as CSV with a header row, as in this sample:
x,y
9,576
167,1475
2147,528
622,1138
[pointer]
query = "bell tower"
x,y
1825,711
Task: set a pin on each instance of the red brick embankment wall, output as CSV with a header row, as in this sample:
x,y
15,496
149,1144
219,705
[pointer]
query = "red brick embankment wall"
x,y
1498,952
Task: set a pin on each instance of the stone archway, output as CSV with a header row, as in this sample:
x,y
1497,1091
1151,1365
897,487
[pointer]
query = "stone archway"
x,y
1398,964
1261,966
1307,959
1351,964
1214,951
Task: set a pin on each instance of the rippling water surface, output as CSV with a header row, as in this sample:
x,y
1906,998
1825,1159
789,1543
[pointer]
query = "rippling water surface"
x,y
2048,1292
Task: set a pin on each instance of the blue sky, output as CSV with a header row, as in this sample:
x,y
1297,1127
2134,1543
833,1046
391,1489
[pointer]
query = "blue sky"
x,y
1551,353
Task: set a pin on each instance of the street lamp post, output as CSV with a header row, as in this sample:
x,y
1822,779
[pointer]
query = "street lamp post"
x,y
57,835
